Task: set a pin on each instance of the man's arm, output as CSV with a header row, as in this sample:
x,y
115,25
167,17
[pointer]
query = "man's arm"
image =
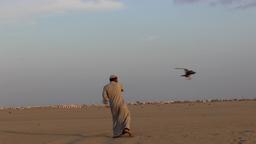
x,y
122,87
105,96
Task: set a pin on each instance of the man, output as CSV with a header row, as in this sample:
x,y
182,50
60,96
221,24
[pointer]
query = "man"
x,y
112,94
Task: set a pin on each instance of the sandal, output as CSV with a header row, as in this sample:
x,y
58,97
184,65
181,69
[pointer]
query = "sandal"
x,y
127,131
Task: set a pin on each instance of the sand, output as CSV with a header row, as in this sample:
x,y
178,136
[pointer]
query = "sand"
x,y
180,123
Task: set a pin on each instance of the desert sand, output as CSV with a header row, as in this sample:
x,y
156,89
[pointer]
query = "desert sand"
x,y
176,123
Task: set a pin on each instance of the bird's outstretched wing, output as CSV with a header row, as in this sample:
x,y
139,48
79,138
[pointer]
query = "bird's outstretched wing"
x,y
183,69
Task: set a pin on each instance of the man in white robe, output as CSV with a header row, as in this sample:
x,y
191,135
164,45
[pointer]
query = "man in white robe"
x,y
112,95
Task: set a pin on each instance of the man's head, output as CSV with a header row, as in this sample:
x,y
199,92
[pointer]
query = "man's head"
x,y
113,78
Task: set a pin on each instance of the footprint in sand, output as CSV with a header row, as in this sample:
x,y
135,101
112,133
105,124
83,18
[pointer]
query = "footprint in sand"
x,y
245,137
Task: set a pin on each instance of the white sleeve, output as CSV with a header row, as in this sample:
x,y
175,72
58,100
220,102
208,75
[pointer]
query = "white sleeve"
x,y
105,96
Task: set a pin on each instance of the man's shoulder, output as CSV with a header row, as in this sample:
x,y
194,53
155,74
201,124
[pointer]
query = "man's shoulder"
x,y
106,85
114,84
120,84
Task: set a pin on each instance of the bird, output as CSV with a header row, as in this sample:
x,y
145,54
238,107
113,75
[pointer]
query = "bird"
x,y
188,73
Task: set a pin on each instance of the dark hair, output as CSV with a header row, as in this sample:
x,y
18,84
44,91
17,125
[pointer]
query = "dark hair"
x,y
113,79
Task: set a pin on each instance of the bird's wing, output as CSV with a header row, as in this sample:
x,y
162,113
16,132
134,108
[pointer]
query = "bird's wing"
x,y
186,70
180,68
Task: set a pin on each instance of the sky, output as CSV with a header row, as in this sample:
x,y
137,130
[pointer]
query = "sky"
x,y
63,51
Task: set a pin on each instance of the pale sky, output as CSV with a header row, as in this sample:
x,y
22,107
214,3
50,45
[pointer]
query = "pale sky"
x,y
63,51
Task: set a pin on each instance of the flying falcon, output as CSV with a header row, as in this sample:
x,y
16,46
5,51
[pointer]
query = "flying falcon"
x,y
188,73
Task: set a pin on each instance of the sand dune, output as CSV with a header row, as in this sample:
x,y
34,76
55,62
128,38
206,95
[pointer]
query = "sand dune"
x,y
177,123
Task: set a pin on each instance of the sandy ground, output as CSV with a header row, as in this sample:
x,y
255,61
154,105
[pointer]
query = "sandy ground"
x,y
185,123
